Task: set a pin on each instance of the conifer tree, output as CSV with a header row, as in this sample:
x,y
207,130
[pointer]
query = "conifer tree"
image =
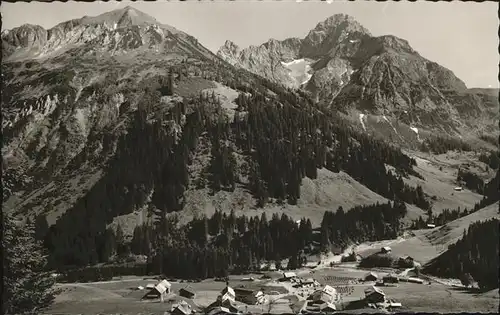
x,y
27,286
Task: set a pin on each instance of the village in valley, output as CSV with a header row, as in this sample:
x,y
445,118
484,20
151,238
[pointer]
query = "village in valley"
x,y
300,294
331,285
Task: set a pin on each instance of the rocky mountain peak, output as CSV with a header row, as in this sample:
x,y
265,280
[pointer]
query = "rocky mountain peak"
x,y
229,52
125,17
337,30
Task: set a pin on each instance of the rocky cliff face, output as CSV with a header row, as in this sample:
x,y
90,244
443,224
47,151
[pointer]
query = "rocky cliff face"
x,y
349,69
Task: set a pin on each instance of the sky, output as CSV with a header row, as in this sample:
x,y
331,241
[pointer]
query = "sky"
x,y
461,36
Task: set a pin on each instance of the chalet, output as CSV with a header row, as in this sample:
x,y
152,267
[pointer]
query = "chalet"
x,y
309,283
322,308
187,292
226,304
249,296
159,291
327,295
289,275
374,295
385,250
183,308
391,278
227,294
371,276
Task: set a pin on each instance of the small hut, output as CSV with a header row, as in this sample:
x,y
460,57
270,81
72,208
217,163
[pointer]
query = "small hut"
x,y
371,276
187,292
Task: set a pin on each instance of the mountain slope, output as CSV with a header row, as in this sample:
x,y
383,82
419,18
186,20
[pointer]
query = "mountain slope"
x,y
354,72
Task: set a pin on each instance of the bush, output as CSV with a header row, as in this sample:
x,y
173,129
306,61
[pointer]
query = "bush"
x,y
377,260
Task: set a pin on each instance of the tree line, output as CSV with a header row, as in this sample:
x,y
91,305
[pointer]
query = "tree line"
x,y
476,253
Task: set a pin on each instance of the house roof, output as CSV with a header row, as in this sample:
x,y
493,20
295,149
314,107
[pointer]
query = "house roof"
x,y
289,274
373,289
188,289
329,290
183,307
327,305
371,273
386,248
228,290
163,286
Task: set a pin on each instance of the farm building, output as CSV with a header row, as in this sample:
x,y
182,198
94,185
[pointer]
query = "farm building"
x,y
187,292
374,295
226,304
227,294
308,283
289,275
159,291
415,280
249,296
183,308
327,295
385,250
371,276
391,278
320,308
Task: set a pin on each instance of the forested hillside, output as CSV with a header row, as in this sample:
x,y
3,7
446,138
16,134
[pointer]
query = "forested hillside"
x,y
279,139
475,254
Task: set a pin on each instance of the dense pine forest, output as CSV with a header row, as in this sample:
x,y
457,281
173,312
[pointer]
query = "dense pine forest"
x,y
475,254
225,243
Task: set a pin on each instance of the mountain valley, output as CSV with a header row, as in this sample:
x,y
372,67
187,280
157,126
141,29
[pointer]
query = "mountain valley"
x,y
125,137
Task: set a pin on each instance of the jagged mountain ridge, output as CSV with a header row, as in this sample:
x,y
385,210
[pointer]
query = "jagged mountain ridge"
x,y
116,32
352,70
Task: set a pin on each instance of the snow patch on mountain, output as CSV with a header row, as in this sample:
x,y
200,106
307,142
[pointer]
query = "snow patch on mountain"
x,y
415,129
361,116
299,70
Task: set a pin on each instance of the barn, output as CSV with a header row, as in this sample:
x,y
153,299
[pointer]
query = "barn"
x,y
159,291
227,294
187,292
289,275
326,295
374,295
249,296
391,278
371,276
183,308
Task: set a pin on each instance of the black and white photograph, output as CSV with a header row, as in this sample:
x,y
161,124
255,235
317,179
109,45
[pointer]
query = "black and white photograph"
x,y
240,157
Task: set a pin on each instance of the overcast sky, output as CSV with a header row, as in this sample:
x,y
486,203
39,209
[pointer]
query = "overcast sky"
x,y
462,36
